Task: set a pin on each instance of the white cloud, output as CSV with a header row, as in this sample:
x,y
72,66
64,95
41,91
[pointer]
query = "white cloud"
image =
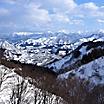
x,y
60,18
87,11
9,1
89,6
4,12
40,15
63,5
36,15
57,5
100,21
2,24
77,22
63,15
53,14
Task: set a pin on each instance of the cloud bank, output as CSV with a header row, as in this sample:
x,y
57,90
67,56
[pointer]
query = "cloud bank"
x,y
50,15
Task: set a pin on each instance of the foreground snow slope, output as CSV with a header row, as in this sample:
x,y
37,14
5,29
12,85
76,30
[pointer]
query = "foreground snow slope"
x,y
16,90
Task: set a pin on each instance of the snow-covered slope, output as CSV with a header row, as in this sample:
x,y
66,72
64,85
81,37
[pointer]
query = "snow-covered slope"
x,y
16,90
6,45
93,72
76,57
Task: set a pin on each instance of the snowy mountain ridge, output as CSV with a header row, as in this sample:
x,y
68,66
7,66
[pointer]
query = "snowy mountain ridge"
x,y
52,62
54,47
93,72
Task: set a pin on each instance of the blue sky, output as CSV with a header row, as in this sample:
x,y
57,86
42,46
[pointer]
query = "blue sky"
x,y
51,15
97,2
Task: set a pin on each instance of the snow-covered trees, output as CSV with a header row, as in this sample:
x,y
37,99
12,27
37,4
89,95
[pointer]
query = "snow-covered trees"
x,y
15,89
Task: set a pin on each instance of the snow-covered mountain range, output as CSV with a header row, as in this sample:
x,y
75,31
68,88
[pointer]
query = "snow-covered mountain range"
x,y
68,55
56,51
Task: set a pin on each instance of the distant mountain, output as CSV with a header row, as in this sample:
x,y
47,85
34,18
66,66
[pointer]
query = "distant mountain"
x,y
49,46
71,37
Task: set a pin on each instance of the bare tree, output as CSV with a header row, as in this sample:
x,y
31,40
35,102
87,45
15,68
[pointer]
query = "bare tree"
x,y
3,72
19,92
